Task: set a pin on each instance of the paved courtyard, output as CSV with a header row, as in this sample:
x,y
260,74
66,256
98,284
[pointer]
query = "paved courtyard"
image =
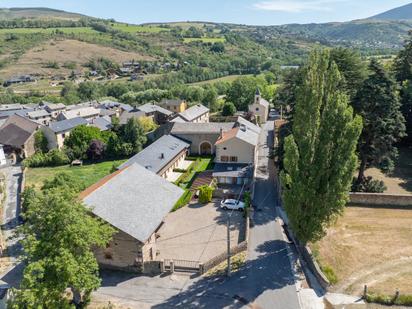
x,y
173,176
198,232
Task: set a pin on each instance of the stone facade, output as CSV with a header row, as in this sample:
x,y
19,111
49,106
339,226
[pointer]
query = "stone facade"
x,y
197,139
126,253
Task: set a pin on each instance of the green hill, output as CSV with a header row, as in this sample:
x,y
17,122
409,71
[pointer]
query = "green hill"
x,y
14,13
400,13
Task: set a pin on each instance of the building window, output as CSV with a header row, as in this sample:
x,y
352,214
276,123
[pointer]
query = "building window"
x,y
224,159
63,135
224,148
257,109
233,159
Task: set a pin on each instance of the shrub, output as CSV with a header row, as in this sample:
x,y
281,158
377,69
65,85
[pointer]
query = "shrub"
x,y
330,274
206,194
40,142
96,150
54,157
369,185
229,109
401,300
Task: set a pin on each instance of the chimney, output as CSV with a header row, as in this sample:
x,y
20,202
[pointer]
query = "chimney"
x,y
162,156
221,133
243,127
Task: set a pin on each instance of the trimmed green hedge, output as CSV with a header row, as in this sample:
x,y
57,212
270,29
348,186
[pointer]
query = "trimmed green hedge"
x,y
183,200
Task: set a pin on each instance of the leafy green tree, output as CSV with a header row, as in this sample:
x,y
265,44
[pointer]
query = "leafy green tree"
x,y
351,67
241,93
229,109
40,142
378,103
90,91
79,140
58,238
403,73
320,156
134,134
210,98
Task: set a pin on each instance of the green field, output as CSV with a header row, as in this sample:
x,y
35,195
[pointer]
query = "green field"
x,y
229,78
204,40
88,174
49,30
137,28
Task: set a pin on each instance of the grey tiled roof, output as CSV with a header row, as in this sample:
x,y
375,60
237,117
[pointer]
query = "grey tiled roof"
x,y
38,113
125,116
194,112
208,128
233,170
134,201
16,130
10,107
157,155
248,124
151,108
172,102
66,125
102,123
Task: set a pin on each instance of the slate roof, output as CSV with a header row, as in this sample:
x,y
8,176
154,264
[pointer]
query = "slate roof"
x,y
38,113
158,154
102,123
194,112
233,170
21,112
54,107
66,125
149,108
111,104
242,133
10,107
125,116
248,124
81,112
16,131
133,200
196,128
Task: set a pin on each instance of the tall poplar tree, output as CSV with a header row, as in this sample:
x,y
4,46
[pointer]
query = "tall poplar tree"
x,y
320,156
378,103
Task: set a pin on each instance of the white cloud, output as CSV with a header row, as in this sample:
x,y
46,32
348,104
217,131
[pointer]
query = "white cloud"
x,y
294,6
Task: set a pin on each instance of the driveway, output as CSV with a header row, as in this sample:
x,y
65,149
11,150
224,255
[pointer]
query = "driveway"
x,y
10,221
198,232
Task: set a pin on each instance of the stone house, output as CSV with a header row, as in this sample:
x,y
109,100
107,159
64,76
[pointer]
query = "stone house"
x,y
135,202
197,114
175,106
160,115
17,136
41,116
57,131
162,156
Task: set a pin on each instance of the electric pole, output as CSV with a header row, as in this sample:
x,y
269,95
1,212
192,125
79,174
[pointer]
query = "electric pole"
x,y
228,246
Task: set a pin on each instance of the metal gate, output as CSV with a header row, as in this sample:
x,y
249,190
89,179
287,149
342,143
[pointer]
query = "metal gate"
x,y
182,265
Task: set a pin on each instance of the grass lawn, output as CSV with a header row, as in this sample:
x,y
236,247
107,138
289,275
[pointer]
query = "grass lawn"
x,y
88,174
400,181
369,246
137,28
204,40
200,165
229,78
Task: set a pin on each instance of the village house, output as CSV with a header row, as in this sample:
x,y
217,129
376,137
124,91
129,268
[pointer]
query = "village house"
x,y
10,107
56,132
201,136
125,116
160,115
86,112
54,109
17,136
162,156
197,113
260,108
175,105
40,116
19,80
102,123
135,202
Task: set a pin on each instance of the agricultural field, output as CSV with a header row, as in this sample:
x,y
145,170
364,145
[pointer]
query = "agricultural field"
x,y
369,246
204,40
88,174
138,28
35,60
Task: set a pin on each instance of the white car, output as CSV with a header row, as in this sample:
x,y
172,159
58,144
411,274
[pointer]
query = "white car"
x,y
273,114
232,205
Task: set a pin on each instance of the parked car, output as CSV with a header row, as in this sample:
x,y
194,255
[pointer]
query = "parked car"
x,y
232,205
273,113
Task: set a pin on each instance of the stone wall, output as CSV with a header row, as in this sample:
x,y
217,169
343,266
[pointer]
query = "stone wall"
x,y
120,254
379,199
